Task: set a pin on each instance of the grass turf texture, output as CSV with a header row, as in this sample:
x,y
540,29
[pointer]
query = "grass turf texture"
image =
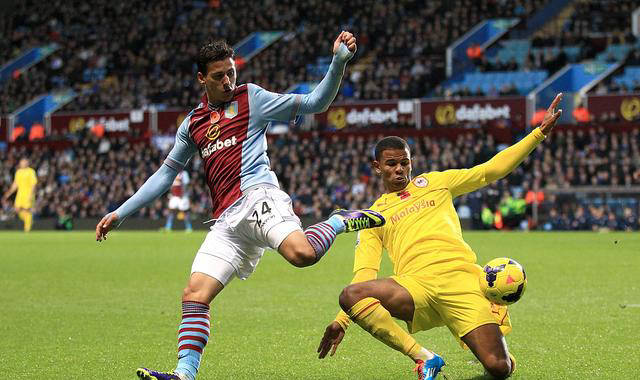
x,y
73,308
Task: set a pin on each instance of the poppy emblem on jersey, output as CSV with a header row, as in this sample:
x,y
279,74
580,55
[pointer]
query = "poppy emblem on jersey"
x,y
231,111
421,182
213,132
215,116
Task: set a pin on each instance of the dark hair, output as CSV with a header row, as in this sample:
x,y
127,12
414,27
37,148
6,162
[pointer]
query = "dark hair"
x,y
214,50
391,142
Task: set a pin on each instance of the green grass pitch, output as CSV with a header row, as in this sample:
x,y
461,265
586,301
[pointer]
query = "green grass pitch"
x,y
73,308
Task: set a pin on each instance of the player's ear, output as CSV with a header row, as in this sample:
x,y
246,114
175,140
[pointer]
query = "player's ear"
x,y
201,78
376,167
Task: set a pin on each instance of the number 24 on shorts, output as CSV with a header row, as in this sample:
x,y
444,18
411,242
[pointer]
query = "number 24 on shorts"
x,y
265,214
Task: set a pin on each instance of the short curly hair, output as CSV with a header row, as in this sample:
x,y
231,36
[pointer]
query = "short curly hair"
x,y
390,142
214,50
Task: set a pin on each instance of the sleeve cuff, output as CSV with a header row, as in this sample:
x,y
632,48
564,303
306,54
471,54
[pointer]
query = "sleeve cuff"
x,y
537,133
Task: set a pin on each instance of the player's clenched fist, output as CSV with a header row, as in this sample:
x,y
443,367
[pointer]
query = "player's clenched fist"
x,y
346,38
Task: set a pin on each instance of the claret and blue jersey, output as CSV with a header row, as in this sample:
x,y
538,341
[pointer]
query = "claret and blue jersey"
x,y
231,140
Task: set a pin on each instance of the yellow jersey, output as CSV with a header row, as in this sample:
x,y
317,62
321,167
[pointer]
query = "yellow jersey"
x,y
422,225
25,179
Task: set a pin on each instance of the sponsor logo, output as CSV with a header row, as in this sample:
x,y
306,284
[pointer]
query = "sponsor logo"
x,y
448,114
421,182
213,132
339,117
213,147
416,207
630,108
111,124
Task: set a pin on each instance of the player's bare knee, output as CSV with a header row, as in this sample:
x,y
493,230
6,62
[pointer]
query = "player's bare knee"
x,y
498,368
303,257
350,296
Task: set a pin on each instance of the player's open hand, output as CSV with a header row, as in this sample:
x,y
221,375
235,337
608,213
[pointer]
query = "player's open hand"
x,y
332,337
346,38
105,225
552,116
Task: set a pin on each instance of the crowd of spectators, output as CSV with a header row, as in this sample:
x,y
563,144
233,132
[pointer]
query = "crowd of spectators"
x,y
591,218
591,26
95,176
130,54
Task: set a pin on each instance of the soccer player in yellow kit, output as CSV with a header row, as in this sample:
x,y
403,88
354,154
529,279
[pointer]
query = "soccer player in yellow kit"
x,y
24,183
435,279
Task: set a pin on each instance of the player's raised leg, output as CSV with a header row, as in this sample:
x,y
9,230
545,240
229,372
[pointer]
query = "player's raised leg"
x,y
373,304
304,248
488,344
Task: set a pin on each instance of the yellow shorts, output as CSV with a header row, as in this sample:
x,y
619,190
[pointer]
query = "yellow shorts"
x,y
450,296
23,203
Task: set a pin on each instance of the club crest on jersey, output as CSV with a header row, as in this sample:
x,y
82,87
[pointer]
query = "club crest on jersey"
x,y
213,132
231,111
421,182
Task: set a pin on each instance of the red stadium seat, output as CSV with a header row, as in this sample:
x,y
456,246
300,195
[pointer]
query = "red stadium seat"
x,y
18,131
36,132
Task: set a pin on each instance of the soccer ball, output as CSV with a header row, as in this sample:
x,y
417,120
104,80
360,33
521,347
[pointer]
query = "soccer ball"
x,y
503,281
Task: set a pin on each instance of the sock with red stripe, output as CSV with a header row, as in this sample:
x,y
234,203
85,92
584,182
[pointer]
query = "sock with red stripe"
x,y
192,337
322,235
369,314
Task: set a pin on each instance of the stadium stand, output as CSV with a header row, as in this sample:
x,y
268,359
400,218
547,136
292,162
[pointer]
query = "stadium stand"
x,y
585,29
136,55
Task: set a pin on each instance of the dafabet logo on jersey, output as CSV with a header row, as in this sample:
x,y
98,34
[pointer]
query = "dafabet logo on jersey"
x,y
218,145
213,132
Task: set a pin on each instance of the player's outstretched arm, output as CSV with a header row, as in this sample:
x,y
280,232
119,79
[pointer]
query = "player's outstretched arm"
x,y
318,100
507,160
182,151
335,331
154,187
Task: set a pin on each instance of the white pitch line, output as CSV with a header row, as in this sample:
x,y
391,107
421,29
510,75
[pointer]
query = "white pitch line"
x,y
630,305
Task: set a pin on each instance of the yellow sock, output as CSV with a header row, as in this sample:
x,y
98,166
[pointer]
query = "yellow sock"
x,y
375,319
27,218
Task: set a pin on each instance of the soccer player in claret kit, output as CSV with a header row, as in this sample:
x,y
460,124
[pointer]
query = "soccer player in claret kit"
x,y
179,201
436,278
228,130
